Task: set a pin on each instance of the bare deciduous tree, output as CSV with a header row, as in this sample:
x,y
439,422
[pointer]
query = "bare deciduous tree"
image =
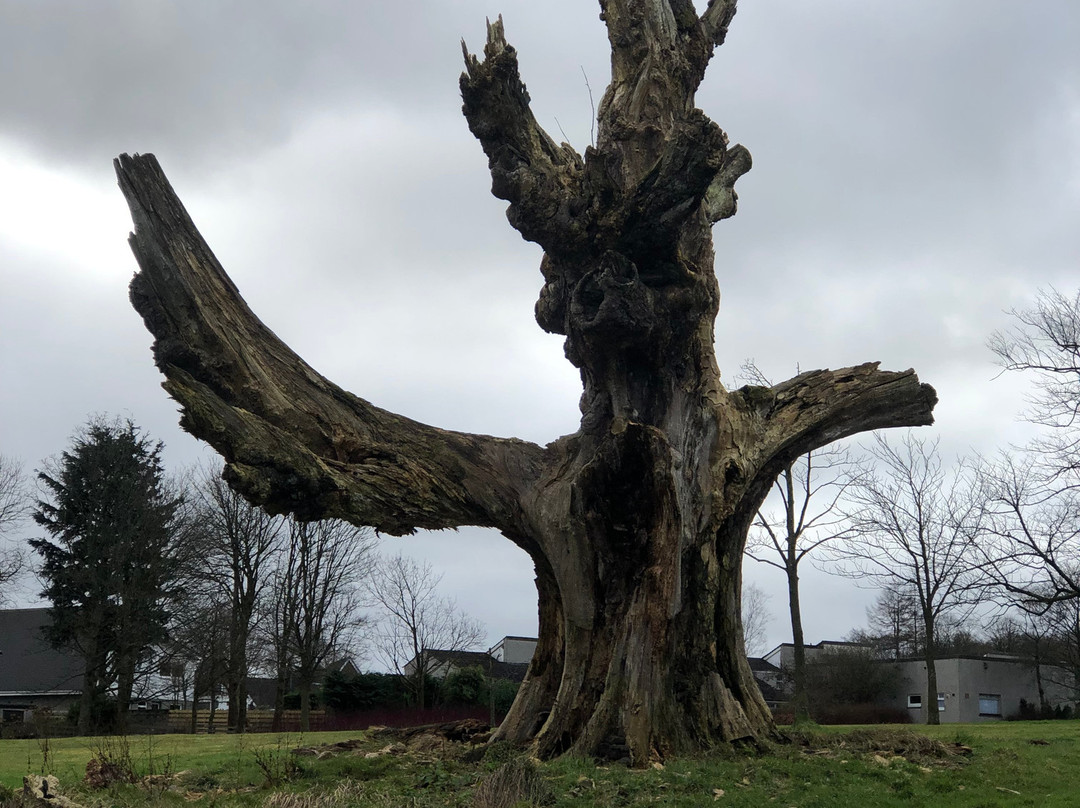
x,y
13,502
1044,341
806,516
416,620
1033,553
320,574
895,622
13,505
914,527
241,542
755,618
1031,547
196,654
636,523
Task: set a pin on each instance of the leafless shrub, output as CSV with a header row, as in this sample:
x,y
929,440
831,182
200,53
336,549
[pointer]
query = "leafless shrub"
x,y
111,763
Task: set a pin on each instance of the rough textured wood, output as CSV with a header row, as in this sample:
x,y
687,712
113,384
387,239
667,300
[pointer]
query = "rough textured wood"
x,y
637,522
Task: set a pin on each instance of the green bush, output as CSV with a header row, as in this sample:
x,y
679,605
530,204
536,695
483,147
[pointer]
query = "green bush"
x,y
1030,711
364,691
466,686
503,693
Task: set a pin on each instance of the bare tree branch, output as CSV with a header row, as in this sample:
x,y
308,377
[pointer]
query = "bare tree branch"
x,y
293,441
540,179
717,18
1031,549
13,506
13,499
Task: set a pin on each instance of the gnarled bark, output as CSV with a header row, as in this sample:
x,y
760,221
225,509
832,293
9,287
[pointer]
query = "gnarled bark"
x,y
637,522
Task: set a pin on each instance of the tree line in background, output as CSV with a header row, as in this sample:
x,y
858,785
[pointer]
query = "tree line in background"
x,y
140,568
152,579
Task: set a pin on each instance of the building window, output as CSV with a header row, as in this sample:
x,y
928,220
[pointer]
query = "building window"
x,y
941,702
989,704
914,700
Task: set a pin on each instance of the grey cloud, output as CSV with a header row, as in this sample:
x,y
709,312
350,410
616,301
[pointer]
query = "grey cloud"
x,y
209,81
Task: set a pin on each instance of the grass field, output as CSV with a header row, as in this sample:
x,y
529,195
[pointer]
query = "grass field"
x,y
1009,764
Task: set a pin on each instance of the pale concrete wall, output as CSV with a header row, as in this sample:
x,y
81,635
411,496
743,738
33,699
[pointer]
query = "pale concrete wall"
x,y
963,680
514,650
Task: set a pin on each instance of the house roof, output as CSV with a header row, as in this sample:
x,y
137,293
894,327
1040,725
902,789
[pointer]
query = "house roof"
x,y
462,659
28,664
758,664
514,671
344,665
770,693
262,690
820,646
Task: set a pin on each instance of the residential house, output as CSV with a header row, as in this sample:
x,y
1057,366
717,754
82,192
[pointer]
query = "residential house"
x,y
33,674
443,663
508,659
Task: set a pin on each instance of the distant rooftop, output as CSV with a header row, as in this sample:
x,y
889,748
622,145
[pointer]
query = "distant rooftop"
x,y
28,664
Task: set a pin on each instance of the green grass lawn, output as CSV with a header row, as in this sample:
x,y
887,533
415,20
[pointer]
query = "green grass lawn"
x,y
838,769
228,760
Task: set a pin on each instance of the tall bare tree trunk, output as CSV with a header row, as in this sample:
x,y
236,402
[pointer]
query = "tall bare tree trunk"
x,y
277,724
637,522
194,709
800,698
933,714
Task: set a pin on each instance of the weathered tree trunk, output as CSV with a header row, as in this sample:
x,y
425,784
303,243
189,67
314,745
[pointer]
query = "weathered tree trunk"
x,y
637,522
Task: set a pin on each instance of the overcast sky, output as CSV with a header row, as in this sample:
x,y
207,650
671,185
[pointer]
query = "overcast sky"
x,y
916,174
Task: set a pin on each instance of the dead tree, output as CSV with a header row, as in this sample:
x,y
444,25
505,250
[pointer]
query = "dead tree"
x,y
636,522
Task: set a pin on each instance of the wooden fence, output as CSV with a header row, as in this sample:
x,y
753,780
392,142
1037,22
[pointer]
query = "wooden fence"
x,y
179,721
257,721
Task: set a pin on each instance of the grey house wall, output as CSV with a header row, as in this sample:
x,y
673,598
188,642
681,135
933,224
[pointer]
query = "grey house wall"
x,y
514,650
963,681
